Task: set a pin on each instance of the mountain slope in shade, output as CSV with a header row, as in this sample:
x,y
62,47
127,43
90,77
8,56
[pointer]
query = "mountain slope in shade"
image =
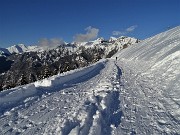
x,y
4,51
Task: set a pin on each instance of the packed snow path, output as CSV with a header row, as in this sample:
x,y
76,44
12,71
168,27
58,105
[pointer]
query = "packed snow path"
x,y
103,102
147,107
89,104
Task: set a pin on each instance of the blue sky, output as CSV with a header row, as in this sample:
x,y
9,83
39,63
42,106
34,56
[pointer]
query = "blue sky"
x,y
28,21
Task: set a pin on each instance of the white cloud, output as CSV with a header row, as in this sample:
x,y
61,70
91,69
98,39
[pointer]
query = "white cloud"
x,y
125,32
131,28
50,43
91,33
116,33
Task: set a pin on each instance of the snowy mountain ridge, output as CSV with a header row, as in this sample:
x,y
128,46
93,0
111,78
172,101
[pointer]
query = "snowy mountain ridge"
x,y
20,48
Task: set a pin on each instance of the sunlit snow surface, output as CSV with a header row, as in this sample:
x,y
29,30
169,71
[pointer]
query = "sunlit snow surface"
x,y
138,94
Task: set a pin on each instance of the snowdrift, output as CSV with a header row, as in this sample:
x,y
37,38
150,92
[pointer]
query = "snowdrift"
x,y
16,95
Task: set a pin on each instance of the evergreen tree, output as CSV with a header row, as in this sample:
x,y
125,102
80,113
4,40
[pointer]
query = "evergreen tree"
x,y
47,72
32,78
55,72
22,80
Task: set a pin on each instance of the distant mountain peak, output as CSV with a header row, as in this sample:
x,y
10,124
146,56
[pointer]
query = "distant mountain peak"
x,y
20,48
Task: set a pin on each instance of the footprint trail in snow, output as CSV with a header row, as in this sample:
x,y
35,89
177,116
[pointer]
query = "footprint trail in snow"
x,y
114,100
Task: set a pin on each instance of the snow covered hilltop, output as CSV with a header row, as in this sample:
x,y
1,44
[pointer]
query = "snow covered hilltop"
x,y
137,94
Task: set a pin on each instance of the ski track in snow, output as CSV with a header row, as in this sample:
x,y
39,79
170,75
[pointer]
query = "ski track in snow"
x,y
98,111
78,108
112,101
146,109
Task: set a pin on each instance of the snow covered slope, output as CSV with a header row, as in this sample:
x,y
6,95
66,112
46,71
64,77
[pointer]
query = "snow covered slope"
x,y
20,48
152,83
17,48
158,55
137,94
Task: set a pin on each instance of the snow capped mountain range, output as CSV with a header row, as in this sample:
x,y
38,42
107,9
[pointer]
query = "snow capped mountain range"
x,y
17,48
112,40
20,48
